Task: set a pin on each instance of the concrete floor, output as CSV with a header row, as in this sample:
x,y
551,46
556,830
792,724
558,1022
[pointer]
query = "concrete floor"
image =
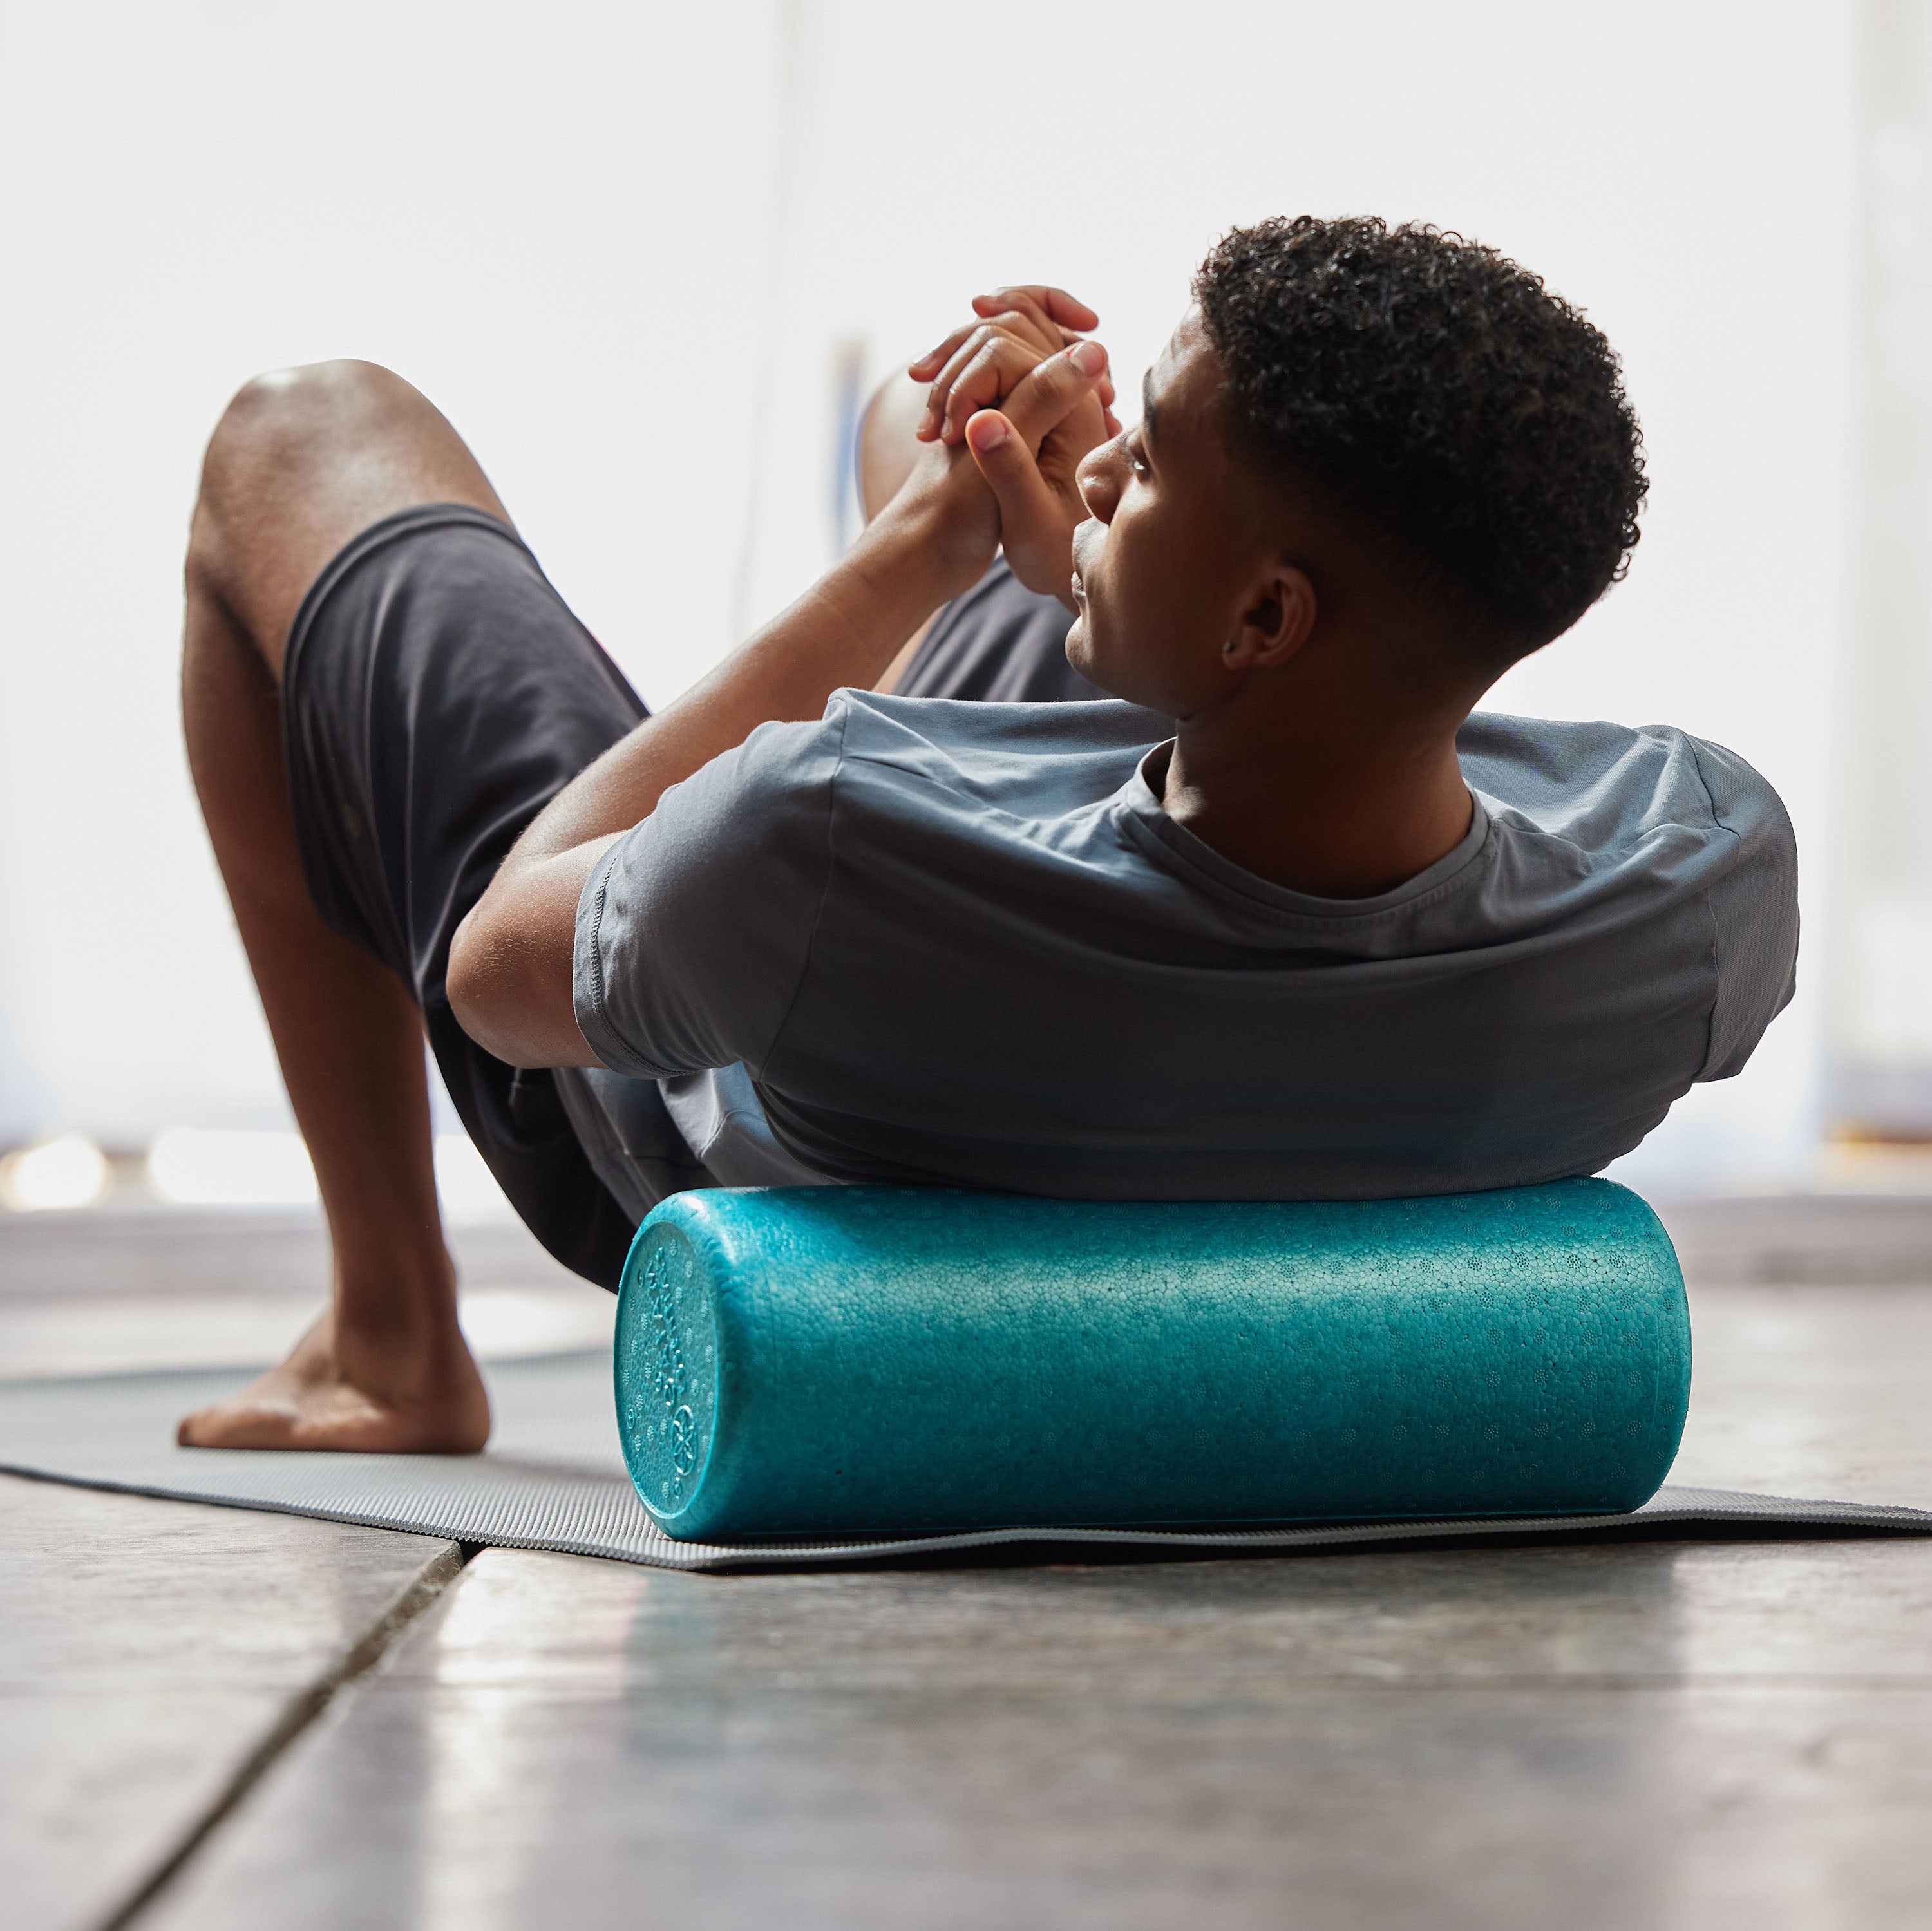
x,y
298,1724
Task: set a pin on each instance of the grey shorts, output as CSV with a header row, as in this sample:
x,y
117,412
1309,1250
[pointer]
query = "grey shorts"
x,y
437,692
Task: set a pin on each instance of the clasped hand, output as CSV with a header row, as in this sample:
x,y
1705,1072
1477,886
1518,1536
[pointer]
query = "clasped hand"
x,y
1027,397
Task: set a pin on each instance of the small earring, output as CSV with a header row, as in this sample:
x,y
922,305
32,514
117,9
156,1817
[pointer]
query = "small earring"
x,y
1227,648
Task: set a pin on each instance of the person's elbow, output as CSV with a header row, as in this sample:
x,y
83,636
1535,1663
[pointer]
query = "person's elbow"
x,y
508,981
480,986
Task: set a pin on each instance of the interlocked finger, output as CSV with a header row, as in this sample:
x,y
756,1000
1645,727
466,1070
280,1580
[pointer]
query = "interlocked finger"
x,y
977,364
971,342
976,339
981,378
1023,318
1049,393
1065,311
929,364
1029,323
1056,317
992,350
960,348
1017,310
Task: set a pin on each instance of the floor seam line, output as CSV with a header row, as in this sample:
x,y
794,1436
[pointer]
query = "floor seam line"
x,y
403,1610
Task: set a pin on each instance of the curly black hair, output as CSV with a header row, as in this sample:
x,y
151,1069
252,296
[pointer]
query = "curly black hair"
x,y
1445,397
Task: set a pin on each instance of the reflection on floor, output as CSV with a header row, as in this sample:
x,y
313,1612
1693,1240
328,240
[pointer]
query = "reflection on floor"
x,y
227,1718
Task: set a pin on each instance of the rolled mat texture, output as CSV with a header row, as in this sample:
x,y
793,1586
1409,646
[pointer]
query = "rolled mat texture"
x,y
839,1360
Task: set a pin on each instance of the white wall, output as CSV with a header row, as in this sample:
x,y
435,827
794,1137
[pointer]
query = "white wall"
x,y
1880,938
552,220
624,248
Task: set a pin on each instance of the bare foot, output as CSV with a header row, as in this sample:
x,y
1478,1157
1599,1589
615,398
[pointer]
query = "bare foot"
x,y
412,1396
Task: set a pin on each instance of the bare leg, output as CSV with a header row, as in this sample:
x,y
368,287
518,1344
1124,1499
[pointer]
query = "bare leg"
x,y
300,462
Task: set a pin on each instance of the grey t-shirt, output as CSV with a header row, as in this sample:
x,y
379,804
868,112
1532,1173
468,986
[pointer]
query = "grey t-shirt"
x,y
935,941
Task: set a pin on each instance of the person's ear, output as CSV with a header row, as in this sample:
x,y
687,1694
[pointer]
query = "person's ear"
x,y
1278,621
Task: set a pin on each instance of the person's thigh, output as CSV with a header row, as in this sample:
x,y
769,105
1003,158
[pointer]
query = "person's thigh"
x,y
437,694
303,459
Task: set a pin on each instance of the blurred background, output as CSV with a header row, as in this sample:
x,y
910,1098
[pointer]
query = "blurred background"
x,y
650,259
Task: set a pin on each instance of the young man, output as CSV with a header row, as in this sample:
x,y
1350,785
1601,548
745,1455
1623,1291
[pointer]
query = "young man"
x,y
1278,918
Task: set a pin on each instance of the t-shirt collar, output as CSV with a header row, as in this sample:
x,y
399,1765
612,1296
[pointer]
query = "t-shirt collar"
x,y
1141,803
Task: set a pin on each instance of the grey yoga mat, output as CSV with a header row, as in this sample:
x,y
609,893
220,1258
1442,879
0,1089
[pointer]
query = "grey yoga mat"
x,y
554,1478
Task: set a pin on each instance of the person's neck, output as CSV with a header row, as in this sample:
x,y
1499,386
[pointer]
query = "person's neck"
x,y
1319,796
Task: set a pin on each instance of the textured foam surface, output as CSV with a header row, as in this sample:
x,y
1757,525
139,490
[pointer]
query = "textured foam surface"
x,y
854,1360
554,1478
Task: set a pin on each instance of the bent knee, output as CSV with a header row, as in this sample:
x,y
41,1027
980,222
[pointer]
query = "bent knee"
x,y
282,417
267,506
300,460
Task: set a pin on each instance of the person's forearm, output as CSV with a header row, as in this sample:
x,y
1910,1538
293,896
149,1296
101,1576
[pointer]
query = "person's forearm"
x,y
509,980
843,630
889,445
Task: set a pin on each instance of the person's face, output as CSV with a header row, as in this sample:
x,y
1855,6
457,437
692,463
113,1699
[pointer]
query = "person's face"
x,y
1162,567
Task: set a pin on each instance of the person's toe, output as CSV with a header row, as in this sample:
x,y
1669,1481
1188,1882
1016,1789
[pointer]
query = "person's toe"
x,y
224,1426
199,1429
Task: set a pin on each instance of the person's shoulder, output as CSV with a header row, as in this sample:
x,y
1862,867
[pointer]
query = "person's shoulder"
x,y
904,754
969,763
767,800
789,752
876,722
780,764
1742,798
1602,786
893,757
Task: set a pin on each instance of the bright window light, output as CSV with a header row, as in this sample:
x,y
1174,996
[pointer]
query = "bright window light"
x,y
194,1168
466,1187
69,1172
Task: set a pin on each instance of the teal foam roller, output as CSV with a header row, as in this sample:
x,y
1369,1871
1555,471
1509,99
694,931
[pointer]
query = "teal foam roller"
x,y
833,1360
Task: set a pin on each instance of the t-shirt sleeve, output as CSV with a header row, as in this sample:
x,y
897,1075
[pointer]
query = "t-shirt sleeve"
x,y
694,930
1753,905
